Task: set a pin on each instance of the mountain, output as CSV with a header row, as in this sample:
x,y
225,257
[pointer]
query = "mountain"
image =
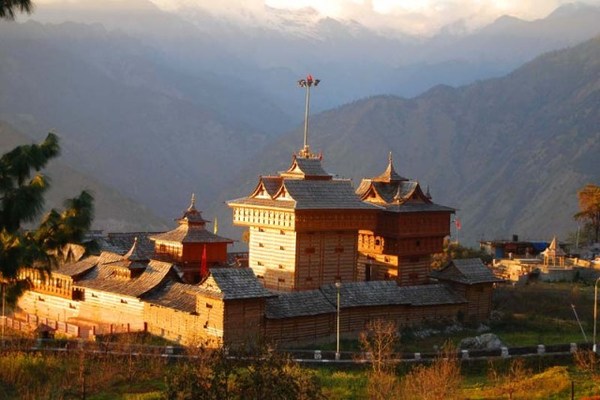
x,y
268,49
66,182
509,153
127,119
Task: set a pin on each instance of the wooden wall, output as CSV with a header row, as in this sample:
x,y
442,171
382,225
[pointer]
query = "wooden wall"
x,y
313,329
112,308
272,257
325,257
244,321
49,306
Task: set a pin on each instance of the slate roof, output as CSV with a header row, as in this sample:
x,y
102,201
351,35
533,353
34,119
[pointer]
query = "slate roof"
x,y
179,296
190,234
397,194
298,304
271,184
468,271
390,174
75,269
233,284
306,167
335,194
379,293
192,215
417,207
103,278
358,294
121,242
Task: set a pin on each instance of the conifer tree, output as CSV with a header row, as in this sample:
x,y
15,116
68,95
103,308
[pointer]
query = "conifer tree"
x,y
22,189
9,7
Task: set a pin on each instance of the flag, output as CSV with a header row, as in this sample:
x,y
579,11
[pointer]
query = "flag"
x,y
216,226
203,266
457,223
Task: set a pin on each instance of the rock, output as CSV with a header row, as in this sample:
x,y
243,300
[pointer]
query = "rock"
x,y
487,341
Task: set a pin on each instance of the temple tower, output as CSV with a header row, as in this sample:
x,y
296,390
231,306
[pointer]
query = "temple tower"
x,y
190,246
409,229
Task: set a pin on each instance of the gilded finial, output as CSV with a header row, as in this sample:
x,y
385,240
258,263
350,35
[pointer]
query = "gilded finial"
x,y
390,157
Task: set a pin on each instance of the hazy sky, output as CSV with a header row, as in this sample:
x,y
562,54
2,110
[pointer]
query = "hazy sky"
x,y
417,16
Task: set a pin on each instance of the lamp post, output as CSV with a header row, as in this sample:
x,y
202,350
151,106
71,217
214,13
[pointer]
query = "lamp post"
x,y
307,83
595,312
338,284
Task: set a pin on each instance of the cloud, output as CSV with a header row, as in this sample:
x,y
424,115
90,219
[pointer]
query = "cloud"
x,y
412,16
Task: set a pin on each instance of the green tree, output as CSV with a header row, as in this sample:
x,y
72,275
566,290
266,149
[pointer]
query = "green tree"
x,y
9,7
455,251
22,189
589,205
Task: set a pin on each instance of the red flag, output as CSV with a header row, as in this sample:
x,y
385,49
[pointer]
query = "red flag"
x,y
457,223
203,266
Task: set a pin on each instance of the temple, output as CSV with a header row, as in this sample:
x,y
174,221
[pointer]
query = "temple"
x,y
324,260
408,230
303,227
190,246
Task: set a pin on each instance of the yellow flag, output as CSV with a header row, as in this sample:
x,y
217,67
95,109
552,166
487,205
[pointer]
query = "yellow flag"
x,y
216,226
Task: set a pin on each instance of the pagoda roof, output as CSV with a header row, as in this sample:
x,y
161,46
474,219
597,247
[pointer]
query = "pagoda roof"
x,y
396,193
192,216
190,234
191,229
298,194
306,168
304,186
390,174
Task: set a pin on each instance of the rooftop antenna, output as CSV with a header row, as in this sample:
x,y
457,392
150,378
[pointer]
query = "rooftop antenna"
x,y
307,83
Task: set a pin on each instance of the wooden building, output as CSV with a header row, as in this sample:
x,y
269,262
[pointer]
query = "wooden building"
x,y
303,226
474,281
190,246
408,230
310,317
104,290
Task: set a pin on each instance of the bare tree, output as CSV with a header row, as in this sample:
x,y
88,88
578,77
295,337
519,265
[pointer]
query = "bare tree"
x,y
379,342
516,379
439,380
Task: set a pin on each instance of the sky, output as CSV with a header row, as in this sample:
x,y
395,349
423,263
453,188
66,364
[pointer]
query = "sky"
x,y
411,16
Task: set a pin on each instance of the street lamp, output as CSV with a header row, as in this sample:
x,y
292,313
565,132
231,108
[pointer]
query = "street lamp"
x,y
338,284
307,84
595,311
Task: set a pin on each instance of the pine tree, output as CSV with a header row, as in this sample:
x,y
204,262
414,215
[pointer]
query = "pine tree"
x,y
9,7
22,189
